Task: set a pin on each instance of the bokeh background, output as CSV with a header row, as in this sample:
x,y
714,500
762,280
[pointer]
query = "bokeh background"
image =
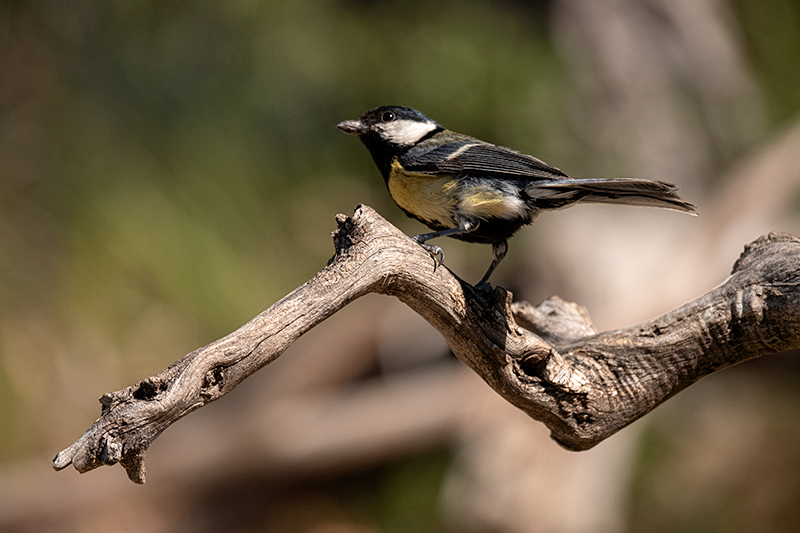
x,y
170,169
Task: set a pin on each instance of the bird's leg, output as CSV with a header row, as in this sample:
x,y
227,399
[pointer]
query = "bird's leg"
x,y
464,226
499,250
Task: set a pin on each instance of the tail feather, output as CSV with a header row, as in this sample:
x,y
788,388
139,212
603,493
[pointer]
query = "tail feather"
x,y
624,191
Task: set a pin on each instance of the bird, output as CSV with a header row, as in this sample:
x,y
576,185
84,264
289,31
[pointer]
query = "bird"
x,y
478,192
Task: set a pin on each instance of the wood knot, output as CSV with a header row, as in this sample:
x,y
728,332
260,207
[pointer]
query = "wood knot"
x,y
341,236
751,251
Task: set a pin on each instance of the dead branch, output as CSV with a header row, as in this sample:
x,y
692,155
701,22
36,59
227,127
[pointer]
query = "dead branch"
x,y
546,360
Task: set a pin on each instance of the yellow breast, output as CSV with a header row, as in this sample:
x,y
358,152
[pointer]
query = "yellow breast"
x,y
444,200
429,198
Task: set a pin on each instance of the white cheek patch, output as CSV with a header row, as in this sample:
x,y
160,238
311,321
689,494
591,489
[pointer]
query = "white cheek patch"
x,y
406,131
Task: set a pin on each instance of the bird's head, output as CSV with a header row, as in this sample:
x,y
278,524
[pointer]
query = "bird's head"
x,y
394,127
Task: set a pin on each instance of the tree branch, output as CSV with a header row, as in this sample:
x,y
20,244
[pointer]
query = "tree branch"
x,y
546,360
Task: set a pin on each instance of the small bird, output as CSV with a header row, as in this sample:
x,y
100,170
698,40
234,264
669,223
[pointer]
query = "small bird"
x,y
475,191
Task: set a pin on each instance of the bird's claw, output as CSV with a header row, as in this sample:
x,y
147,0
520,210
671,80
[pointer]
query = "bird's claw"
x,y
436,252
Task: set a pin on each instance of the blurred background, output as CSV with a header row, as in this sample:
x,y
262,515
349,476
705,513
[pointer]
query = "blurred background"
x,y
170,169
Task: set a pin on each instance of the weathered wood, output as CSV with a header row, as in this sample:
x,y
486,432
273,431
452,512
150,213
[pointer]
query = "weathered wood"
x,y
547,360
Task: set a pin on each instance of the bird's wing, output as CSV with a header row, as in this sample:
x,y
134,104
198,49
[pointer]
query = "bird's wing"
x,y
473,157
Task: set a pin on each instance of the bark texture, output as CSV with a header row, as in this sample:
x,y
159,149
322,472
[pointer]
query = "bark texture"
x,y
548,360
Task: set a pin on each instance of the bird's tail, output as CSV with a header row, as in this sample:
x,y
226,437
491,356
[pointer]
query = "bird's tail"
x,y
624,191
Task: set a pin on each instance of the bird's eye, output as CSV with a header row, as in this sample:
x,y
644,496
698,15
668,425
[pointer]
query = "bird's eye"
x,y
387,116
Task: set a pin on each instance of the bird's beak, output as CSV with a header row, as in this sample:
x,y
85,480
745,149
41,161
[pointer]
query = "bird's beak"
x,y
356,127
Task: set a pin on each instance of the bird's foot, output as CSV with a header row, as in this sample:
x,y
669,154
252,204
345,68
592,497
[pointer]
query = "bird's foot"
x,y
484,286
436,252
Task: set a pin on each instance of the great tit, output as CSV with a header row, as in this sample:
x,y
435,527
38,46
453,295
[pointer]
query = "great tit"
x,y
474,191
